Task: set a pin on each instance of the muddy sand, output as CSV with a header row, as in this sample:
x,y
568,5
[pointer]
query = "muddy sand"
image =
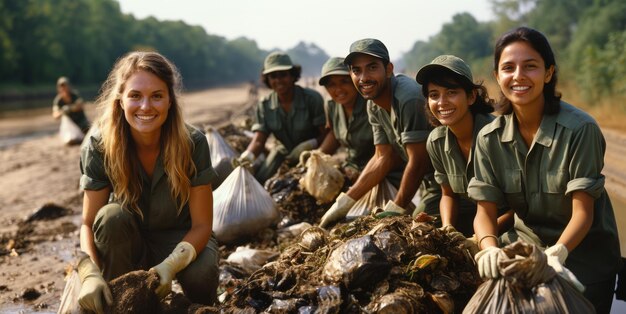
x,y
36,169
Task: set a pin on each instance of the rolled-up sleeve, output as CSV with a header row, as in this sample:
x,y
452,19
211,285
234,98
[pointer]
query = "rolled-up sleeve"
x,y
415,127
482,186
205,174
260,123
435,159
587,160
378,132
93,175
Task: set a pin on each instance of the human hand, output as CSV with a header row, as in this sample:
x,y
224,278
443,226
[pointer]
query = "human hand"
x,y
246,158
558,251
557,254
93,287
184,253
338,210
487,262
66,109
294,155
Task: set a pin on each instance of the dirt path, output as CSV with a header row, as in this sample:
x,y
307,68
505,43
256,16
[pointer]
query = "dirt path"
x,y
41,170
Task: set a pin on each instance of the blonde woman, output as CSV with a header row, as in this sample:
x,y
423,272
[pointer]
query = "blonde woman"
x,y
147,179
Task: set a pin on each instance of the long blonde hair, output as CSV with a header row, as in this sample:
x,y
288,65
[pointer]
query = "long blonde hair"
x,y
119,151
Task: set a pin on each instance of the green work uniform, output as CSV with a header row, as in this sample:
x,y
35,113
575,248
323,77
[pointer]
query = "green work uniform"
x,y
291,128
452,169
126,242
566,156
354,133
405,124
77,117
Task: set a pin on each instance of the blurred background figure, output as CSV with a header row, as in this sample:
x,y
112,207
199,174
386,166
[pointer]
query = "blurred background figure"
x,y
68,102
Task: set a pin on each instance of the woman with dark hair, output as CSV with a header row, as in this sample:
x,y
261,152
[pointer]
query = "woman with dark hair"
x,y
544,158
147,179
293,114
458,108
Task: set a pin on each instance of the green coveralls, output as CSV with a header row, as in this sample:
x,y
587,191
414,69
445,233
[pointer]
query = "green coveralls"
x,y
405,124
291,128
125,242
78,117
452,169
354,133
567,155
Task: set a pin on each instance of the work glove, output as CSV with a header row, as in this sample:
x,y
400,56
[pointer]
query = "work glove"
x,y
246,158
93,287
557,254
183,254
487,262
391,209
340,208
470,243
304,156
294,155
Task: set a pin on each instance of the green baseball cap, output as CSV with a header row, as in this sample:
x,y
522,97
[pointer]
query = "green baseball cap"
x,y
368,46
334,66
450,62
277,61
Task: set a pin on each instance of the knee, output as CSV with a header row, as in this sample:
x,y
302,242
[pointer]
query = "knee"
x,y
113,224
199,280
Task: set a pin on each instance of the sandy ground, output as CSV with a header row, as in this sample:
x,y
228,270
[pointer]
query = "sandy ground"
x,y
36,168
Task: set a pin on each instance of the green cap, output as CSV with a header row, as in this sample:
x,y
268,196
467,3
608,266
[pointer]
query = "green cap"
x,y
369,46
450,62
277,61
334,66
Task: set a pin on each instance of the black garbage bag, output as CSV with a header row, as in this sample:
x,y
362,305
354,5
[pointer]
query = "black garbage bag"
x,y
527,285
357,263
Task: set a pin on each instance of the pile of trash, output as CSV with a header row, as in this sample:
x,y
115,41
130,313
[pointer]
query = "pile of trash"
x,y
395,264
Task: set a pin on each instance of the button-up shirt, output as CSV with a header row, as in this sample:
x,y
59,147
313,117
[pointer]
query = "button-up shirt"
x,y
567,155
355,133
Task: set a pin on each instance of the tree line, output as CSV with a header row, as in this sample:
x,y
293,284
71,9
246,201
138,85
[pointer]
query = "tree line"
x,y
588,37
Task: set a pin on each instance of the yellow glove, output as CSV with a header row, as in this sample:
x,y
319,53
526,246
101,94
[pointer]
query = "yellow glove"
x,y
183,254
93,287
340,208
487,262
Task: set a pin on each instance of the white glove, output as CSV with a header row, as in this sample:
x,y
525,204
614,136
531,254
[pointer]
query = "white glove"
x,y
470,243
340,208
391,209
93,287
294,155
66,109
557,254
487,262
246,158
183,254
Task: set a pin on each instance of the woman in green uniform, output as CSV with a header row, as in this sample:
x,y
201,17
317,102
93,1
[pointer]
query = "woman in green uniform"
x,y
458,109
544,157
347,118
293,114
147,179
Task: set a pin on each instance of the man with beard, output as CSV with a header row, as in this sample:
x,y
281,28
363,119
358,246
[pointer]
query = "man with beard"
x,y
395,108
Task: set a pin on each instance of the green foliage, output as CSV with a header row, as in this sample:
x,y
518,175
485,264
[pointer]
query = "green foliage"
x,y
309,56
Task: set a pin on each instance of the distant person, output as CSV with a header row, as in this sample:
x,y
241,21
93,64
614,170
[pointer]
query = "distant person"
x,y
544,157
395,109
458,108
68,102
253,91
147,177
347,118
293,114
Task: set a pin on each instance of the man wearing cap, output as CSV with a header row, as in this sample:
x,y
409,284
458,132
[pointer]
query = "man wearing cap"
x,y
347,118
68,102
395,109
293,114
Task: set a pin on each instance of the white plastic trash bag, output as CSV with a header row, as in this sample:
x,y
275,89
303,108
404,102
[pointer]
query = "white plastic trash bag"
x,y
69,132
322,178
378,196
251,259
218,146
242,207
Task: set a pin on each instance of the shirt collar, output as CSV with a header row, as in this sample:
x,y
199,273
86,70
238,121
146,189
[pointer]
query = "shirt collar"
x,y
544,135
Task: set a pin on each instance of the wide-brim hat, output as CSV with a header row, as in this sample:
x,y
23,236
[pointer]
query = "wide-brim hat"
x,y
448,62
333,66
277,61
368,46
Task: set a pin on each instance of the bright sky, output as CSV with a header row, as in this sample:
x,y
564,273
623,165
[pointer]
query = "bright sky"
x,y
331,24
